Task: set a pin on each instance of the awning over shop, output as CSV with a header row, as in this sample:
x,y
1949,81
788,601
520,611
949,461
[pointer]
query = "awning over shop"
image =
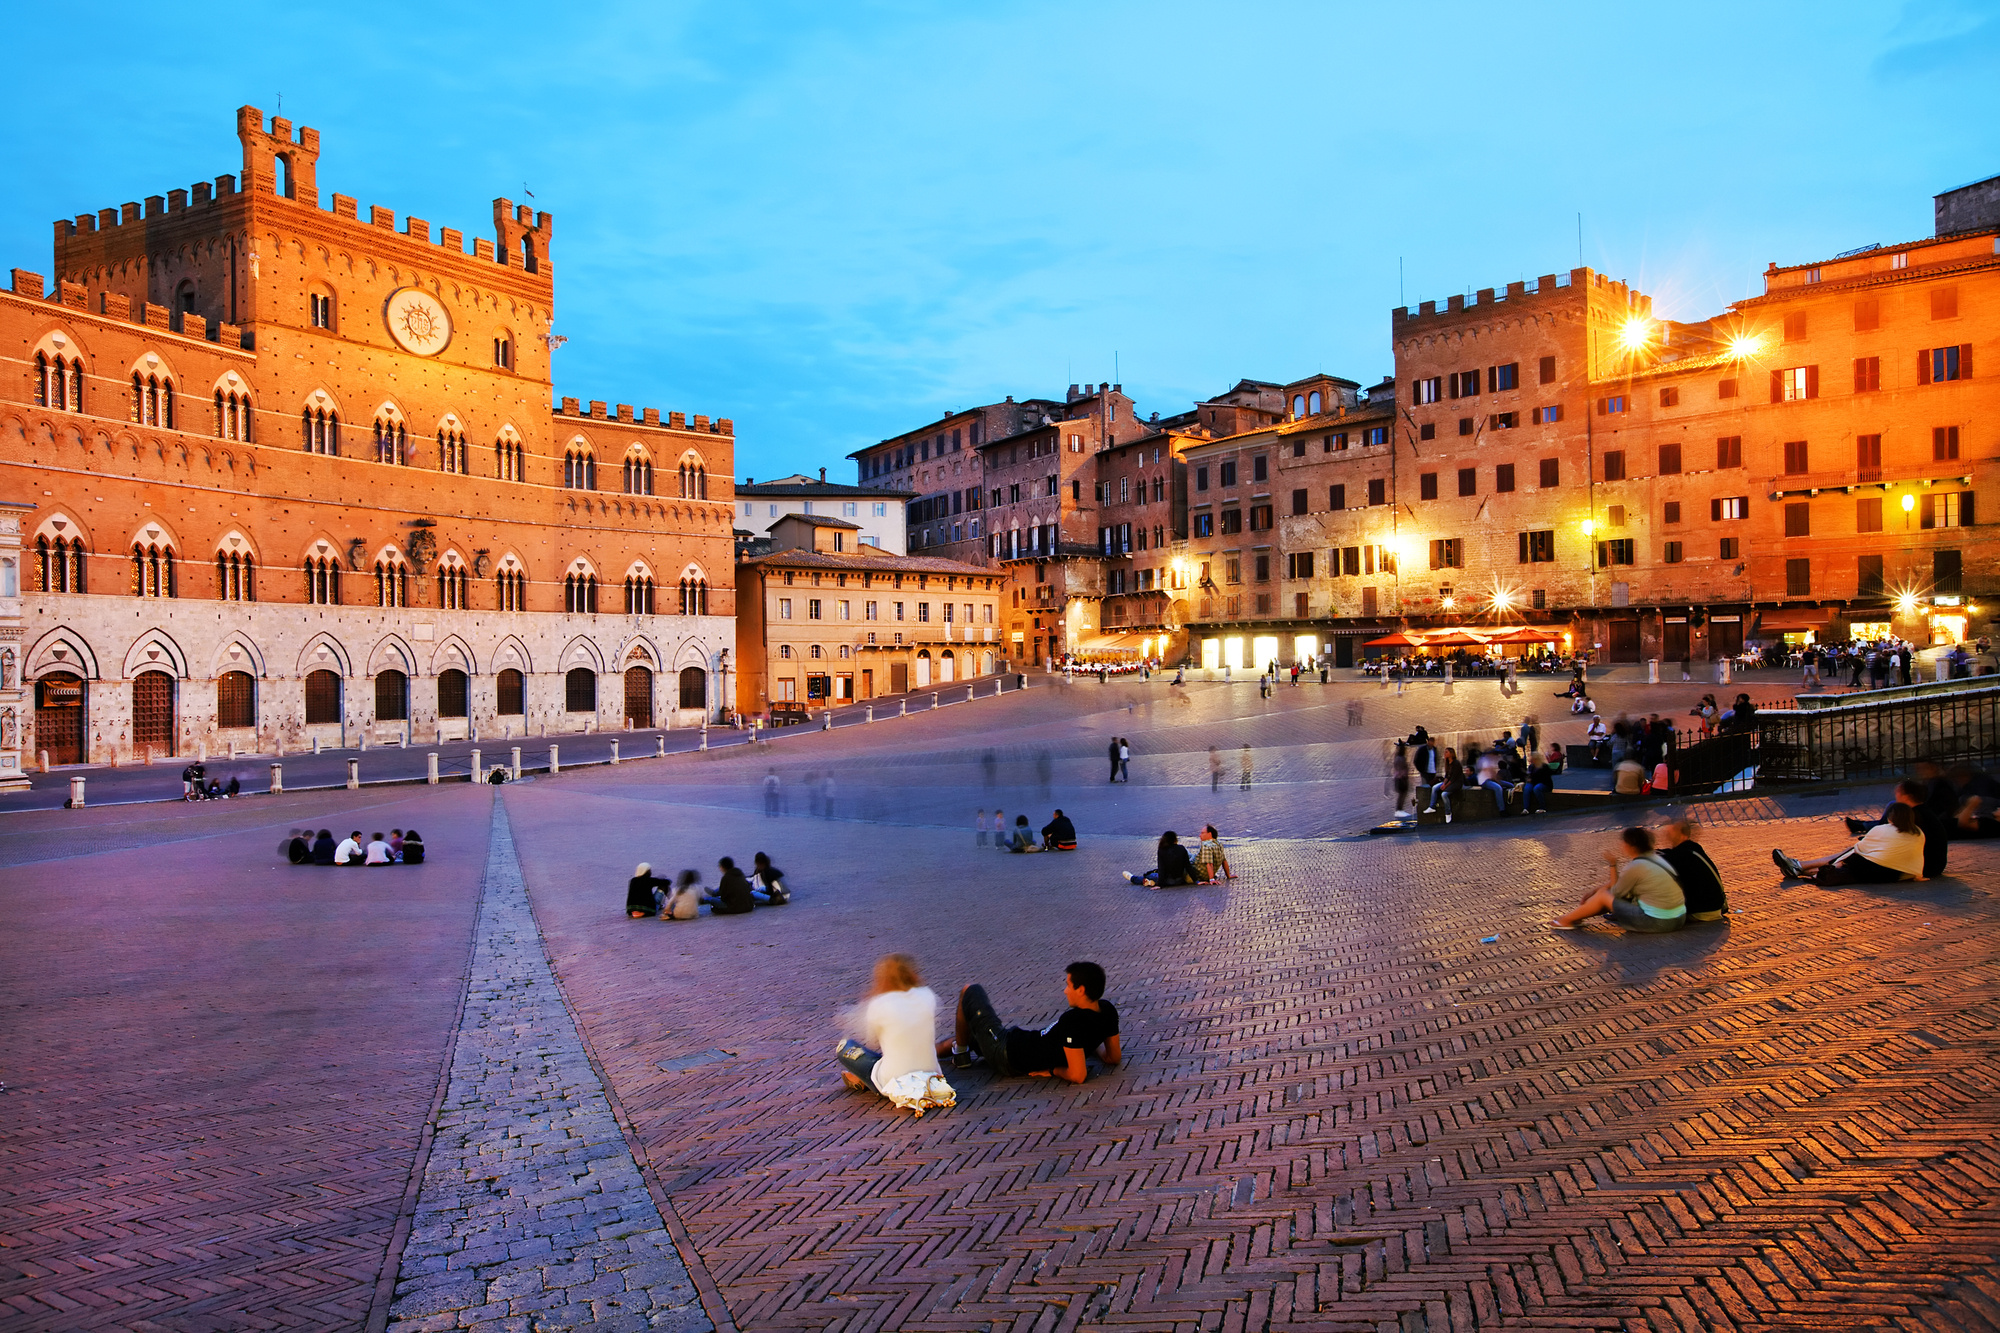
x,y
1793,621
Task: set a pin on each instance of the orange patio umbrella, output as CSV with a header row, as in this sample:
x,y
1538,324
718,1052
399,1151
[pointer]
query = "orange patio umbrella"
x,y
1395,640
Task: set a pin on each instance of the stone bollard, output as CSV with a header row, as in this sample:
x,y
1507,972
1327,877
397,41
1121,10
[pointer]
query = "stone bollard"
x,y
1944,668
45,761
76,793
662,753
704,739
934,699
871,714
514,773
1449,674
431,770
361,741
903,706
277,779
555,761
614,752
999,687
201,750
315,745
826,723
969,692
478,769
1652,671
354,775
1722,671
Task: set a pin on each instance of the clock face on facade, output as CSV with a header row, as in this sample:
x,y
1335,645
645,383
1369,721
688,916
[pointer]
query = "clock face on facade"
x,y
417,321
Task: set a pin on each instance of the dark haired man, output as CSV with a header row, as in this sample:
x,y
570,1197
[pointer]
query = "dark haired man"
x,y
1088,1027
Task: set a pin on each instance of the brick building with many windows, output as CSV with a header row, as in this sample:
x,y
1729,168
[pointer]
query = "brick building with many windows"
x,y
296,477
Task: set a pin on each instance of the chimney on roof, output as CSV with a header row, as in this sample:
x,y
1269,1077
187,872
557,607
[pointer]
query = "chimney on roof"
x,y
1118,388
1104,386
1073,394
749,481
822,476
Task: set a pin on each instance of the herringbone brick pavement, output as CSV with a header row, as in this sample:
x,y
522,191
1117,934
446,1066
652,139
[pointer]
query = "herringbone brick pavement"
x,y
217,1065
1339,1109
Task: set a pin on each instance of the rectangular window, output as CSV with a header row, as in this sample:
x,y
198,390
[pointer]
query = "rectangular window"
x,y
845,609
1503,478
1468,481
1670,512
1464,384
1798,578
1299,565
1670,397
1728,507
1503,378
1260,518
1611,406
1548,416
1335,441
1868,580
1232,521
1448,553
1614,465
1201,478
1867,373
1868,514
1795,458
1465,425
1951,509
1725,388
1204,525
1503,421
898,609
812,608
923,612
1551,473
1375,435
1867,314
1548,367
784,608
1670,459
1427,391
1670,553
1944,443
1299,447
1940,364
1232,569
1228,477
1795,384
1427,486
1798,520
1336,497
1298,502
1947,572
1729,452
1260,468
1378,491
1617,552
1537,548
1727,548
868,610
1944,303
1262,568
1795,326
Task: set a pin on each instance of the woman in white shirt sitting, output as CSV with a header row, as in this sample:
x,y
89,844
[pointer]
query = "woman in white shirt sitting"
x,y
1890,851
898,1022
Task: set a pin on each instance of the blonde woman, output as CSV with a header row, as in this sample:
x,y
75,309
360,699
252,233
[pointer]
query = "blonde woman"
x,y
898,1025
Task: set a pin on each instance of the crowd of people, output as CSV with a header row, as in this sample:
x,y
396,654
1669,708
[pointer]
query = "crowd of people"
x,y
197,785
303,847
1428,776
682,897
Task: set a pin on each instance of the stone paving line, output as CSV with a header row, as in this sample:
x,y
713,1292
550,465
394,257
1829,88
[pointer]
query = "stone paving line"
x,y
533,1214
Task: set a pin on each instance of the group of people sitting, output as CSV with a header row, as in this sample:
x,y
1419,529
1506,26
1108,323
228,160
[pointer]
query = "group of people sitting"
x,y
1654,883
1058,835
1511,770
1173,868
1913,838
196,785
682,897
401,847
895,1051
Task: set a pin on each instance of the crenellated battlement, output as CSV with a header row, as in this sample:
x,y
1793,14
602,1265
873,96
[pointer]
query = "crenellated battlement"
x,y
647,416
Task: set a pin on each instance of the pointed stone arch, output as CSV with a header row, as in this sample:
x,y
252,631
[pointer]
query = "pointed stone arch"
x,y
61,649
155,650
582,651
238,652
453,652
512,653
392,652
324,652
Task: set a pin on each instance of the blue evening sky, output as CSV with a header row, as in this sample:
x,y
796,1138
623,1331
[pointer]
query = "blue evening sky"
x,y
833,222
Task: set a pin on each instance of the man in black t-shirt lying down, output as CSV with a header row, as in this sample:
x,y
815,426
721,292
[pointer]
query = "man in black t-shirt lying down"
x,y
1088,1027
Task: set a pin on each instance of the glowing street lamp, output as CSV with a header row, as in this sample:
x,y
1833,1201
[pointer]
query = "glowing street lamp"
x,y
1909,503
1589,526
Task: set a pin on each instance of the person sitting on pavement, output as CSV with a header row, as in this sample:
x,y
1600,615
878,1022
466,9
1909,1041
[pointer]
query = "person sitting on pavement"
x,y
769,889
235,788
1089,1026
1934,803
214,789
396,843
1211,862
350,851
684,903
1978,800
1059,835
323,848
413,848
1172,869
1628,778
1022,839
299,850
898,1028
1885,854
378,851
733,896
1701,880
643,891
1640,892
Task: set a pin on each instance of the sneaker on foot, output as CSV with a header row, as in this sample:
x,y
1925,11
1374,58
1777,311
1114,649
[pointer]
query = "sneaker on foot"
x,y
1786,865
1856,826
1130,878
1447,819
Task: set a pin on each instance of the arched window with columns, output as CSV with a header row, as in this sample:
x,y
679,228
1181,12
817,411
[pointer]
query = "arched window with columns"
x,y
452,582
392,580
320,426
579,467
153,569
694,594
639,591
59,381
153,398
510,584
235,576
693,477
59,563
392,437
638,471
232,410
580,589
452,454
322,580
507,456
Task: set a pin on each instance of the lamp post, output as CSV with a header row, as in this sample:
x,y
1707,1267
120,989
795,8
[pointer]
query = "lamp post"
x,y
722,669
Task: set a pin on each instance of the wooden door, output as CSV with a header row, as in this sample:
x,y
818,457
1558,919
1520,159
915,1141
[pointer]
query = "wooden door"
x,y
638,698
59,717
1624,641
153,712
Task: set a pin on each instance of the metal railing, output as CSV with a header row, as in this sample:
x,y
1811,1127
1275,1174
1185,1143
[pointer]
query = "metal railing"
x,y
1878,740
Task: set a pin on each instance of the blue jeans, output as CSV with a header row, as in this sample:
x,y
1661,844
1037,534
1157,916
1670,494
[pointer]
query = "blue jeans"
x,y
1536,792
858,1060
1499,790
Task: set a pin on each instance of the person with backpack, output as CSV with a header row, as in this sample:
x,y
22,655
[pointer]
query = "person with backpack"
x,y
1641,892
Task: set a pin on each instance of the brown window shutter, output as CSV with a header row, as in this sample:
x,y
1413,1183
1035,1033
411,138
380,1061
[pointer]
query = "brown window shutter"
x,y
1777,386
1965,361
1929,519
1965,517
1924,366
1860,374
1812,381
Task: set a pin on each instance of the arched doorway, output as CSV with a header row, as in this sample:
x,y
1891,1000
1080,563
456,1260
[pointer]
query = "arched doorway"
x,y
580,690
454,689
986,663
59,717
322,698
923,668
694,688
946,665
638,698
235,699
511,689
392,697
153,713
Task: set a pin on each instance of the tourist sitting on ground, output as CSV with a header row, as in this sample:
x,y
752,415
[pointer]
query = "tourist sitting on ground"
x,y
298,849
1059,835
769,889
1211,862
898,1028
1939,801
1628,778
1701,879
1088,1027
395,844
1921,800
323,848
1536,786
1447,788
1172,867
733,896
378,851
1640,891
235,787
683,903
413,848
1022,839
643,891
351,850
214,789
1885,854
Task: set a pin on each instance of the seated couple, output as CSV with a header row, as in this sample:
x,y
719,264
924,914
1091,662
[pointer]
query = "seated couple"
x,y
1909,843
1058,835
898,1024
1651,890
1173,868
681,900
